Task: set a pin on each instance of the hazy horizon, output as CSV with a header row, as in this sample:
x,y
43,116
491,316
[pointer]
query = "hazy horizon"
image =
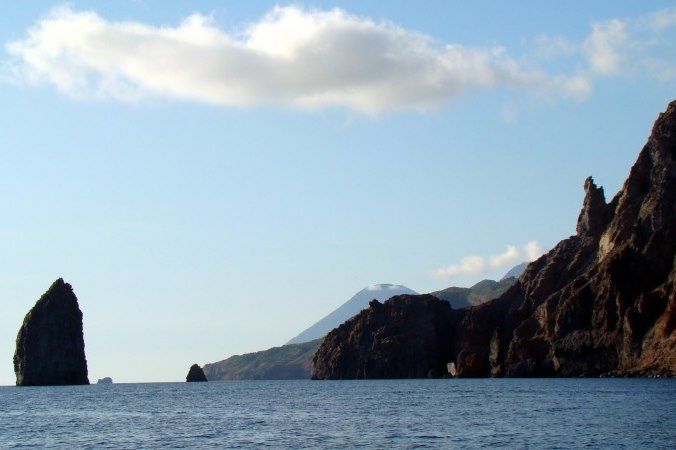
x,y
272,161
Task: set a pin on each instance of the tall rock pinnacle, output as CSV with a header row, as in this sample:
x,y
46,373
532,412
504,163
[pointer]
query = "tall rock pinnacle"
x,y
50,344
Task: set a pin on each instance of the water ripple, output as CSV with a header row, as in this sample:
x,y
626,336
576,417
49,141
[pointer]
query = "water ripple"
x,y
538,413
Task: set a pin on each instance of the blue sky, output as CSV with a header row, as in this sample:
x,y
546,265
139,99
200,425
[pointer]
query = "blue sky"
x,y
213,185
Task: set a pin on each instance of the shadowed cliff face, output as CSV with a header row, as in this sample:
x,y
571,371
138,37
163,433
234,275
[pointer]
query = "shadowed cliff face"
x,y
50,344
602,302
406,337
348,309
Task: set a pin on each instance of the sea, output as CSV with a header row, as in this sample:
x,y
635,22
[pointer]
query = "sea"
x,y
444,413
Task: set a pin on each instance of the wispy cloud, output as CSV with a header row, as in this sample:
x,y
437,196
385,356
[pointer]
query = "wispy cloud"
x,y
311,59
620,47
383,287
603,46
476,264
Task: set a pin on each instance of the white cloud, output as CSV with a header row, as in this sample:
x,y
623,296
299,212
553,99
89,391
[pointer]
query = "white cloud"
x,y
630,47
383,287
602,47
475,264
510,256
292,57
615,47
579,87
533,250
313,59
469,265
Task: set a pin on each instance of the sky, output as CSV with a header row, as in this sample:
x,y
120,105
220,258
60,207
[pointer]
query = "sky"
x,y
212,177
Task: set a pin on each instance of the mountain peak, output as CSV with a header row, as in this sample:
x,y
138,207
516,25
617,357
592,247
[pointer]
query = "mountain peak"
x,y
358,302
515,271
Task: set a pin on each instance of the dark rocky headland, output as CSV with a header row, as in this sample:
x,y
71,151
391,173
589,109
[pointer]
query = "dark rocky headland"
x,y
195,374
50,345
294,361
600,303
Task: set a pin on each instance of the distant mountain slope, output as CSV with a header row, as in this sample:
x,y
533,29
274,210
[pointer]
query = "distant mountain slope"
x,y
289,362
358,302
515,271
481,292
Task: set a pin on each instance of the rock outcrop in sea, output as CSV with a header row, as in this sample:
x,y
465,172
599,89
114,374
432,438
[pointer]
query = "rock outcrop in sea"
x,y
105,380
600,303
348,309
195,374
408,336
50,345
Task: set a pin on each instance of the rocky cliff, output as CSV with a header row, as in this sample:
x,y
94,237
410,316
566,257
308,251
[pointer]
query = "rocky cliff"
x,y
405,337
195,374
348,309
601,303
50,345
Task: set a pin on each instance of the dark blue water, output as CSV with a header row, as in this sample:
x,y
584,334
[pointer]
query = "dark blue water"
x,y
560,413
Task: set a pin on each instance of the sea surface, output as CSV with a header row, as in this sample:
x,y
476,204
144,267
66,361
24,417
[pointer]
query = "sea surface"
x,y
449,413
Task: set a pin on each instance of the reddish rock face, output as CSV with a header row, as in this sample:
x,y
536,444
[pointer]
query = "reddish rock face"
x,y
602,302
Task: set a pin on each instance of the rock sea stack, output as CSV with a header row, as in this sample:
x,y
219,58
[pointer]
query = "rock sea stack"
x,y
195,374
600,303
50,345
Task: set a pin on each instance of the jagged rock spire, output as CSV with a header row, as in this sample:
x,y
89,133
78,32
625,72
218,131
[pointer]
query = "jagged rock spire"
x,y
594,215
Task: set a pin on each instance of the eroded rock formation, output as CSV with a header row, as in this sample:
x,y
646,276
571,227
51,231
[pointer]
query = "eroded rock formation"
x,y
195,374
405,337
601,303
50,345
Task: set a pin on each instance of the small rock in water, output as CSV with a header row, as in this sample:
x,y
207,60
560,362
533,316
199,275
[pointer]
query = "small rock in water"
x,y
105,380
195,374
